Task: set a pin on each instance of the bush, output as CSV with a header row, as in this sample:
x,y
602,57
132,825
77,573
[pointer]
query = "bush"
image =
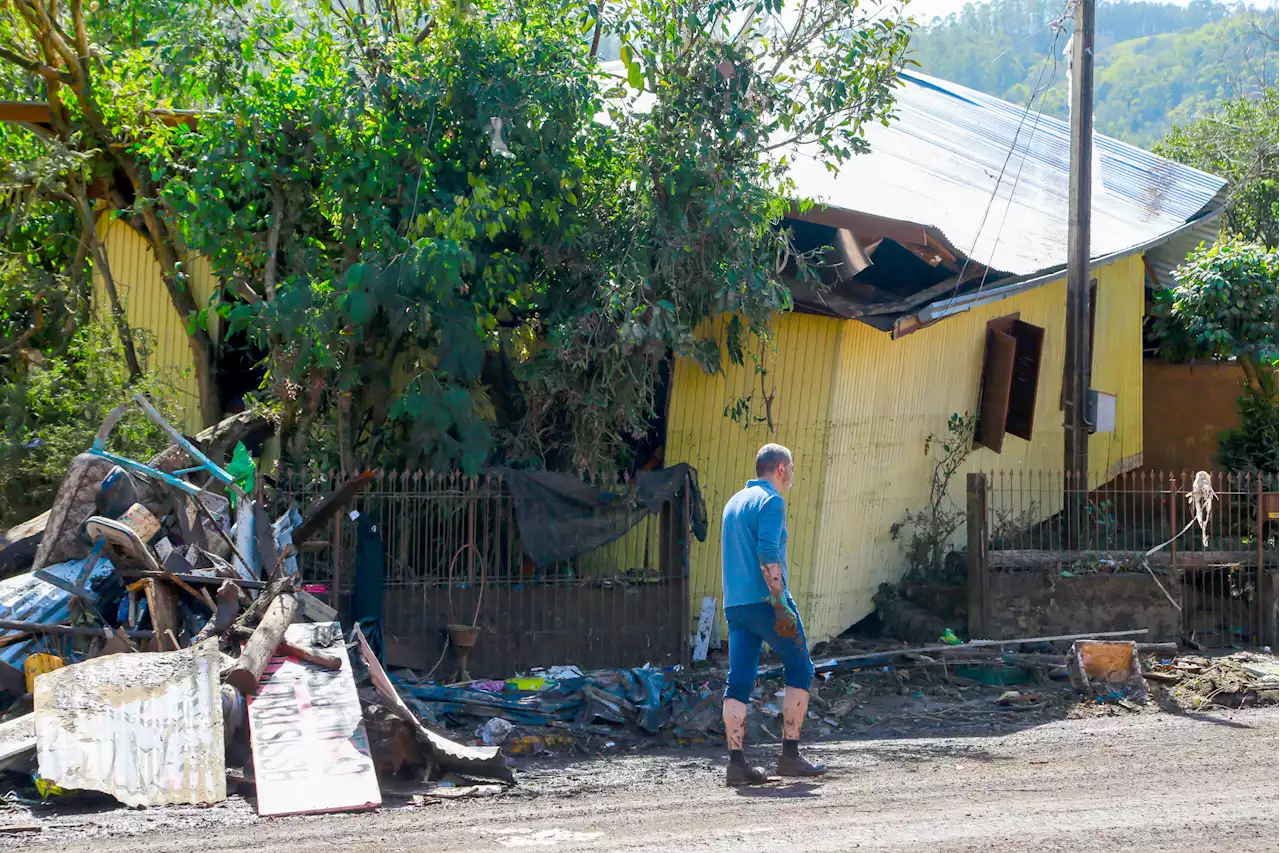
x,y
53,411
1254,445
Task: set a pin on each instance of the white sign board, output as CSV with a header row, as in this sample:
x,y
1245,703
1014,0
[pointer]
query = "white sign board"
x,y
310,748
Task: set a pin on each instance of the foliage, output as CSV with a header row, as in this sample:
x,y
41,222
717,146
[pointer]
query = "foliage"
x,y
1238,141
1157,65
53,411
107,75
927,534
1224,306
447,257
1254,445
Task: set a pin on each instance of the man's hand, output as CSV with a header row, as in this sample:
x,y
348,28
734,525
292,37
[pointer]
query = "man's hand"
x,y
784,618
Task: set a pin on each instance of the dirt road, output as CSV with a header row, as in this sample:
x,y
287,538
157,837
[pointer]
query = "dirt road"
x,y
1148,783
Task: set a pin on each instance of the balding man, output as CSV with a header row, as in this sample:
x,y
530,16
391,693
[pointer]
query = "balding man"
x,y
759,609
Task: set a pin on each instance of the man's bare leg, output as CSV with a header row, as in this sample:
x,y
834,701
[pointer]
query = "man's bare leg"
x,y
795,707
735,731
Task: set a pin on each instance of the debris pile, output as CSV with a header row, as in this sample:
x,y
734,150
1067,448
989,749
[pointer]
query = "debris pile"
x,y
156,641
1240,680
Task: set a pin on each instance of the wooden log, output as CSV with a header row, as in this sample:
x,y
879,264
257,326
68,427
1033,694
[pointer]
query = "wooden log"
x,y
262,645
224,615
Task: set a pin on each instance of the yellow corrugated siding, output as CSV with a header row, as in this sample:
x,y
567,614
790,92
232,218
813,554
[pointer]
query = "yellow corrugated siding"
x,y
859,423
149,309
723,451
1117,366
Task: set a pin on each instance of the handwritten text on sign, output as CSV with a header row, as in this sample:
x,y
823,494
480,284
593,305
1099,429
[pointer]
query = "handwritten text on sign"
x,y
310,748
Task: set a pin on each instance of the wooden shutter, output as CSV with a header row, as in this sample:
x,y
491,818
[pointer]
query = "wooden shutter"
x,y
1025,383
997,378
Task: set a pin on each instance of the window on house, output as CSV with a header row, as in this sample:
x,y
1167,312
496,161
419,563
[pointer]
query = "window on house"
x,y
1010,381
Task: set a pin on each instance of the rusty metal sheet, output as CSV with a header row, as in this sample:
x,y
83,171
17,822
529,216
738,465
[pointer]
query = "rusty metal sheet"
x,y
146,729
310,748
484,761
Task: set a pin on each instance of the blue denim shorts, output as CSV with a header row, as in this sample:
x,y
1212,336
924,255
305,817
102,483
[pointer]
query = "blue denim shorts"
x,y
750,626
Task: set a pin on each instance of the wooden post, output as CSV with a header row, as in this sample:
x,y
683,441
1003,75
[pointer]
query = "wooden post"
x,y
1078,359
979,594
262,645
1258,578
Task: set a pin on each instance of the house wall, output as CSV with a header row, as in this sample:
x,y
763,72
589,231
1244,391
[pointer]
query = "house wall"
x,y
856,408
147,305
1185,409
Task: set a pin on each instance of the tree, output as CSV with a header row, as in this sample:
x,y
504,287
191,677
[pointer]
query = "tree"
x,y
1238,141
1224,307
446,258
108,77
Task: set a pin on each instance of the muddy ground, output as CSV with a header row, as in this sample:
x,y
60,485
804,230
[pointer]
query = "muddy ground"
x,y
1150,782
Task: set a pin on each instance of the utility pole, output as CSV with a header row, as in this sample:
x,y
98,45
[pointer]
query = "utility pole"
x,y
1078,357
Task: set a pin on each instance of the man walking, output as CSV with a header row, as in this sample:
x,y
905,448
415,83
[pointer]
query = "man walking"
x,y
759,609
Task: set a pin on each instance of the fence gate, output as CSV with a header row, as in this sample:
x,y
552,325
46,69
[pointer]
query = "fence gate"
x,y
451,554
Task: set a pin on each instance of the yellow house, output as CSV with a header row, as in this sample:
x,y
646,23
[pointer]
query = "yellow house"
x,y
949,230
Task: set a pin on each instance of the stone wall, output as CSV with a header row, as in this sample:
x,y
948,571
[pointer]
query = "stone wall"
x,y
1038,603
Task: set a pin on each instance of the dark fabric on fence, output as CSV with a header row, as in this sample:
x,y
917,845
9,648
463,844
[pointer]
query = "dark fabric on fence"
x,y
367,600
561,517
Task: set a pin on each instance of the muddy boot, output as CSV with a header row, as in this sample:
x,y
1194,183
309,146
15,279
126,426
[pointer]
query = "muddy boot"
x,y
792,764
742,774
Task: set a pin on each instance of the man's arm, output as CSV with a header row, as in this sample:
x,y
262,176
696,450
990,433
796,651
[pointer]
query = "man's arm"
x,y
769,552
769,544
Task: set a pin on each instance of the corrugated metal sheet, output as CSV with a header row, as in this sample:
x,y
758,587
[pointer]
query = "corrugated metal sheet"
x,y
698,432
1164,259
147,304
144,728
941,160
856,407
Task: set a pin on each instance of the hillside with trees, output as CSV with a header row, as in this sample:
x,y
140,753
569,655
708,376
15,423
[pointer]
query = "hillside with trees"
x,y
1158,65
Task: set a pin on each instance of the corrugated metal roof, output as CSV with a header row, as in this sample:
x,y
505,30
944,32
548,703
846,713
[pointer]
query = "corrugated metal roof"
x,y
144,728
939,163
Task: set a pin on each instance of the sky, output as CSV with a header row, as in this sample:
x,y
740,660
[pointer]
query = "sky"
x,y
926,10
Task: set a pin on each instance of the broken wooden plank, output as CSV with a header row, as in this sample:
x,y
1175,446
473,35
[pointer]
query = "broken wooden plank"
x,y
314,609
162,605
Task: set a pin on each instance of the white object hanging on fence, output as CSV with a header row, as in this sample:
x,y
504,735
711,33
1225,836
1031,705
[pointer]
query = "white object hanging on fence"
x,y
1201,499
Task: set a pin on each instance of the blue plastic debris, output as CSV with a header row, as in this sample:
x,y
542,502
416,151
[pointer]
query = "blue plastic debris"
x,y
640,697
27,598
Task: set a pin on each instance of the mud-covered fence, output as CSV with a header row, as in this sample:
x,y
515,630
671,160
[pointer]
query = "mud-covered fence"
x,y
1085,553
443,549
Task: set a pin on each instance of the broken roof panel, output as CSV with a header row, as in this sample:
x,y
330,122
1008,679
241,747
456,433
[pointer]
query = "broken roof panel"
x,y
942,160
146,729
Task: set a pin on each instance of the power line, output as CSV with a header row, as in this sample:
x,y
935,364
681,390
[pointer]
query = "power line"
x,y
1057,27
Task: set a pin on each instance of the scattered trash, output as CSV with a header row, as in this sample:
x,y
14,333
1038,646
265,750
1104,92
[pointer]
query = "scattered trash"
x,y
495,732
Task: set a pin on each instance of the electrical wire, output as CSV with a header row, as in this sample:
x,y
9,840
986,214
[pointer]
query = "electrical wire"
x,y
1057,27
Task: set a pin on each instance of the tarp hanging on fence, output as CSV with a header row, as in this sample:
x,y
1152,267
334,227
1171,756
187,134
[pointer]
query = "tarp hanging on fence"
x,y
561,517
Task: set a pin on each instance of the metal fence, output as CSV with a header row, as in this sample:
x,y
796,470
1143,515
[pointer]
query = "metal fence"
x,y
1221,574
451,554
